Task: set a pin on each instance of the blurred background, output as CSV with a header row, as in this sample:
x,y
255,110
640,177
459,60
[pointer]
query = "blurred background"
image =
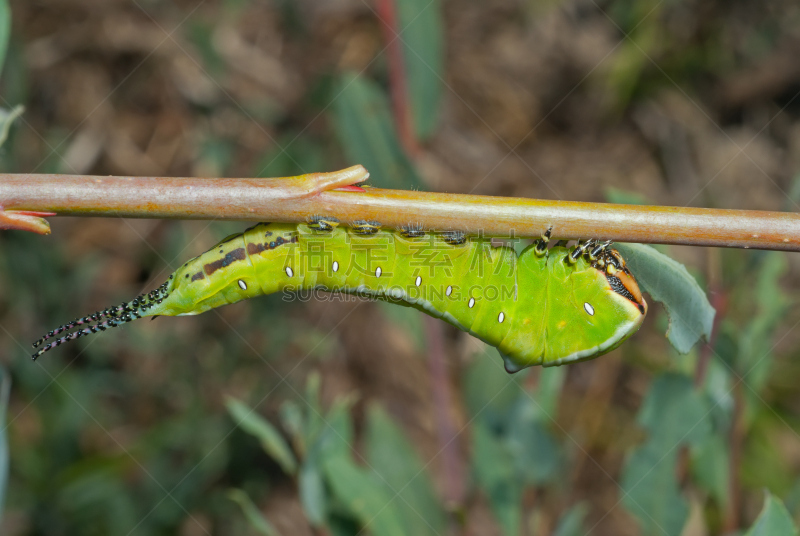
x,y
334,418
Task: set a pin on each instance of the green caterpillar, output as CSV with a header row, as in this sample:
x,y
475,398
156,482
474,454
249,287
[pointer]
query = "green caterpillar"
x,y
544,307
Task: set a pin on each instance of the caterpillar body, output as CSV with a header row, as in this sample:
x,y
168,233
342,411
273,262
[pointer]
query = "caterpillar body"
x,y
541,307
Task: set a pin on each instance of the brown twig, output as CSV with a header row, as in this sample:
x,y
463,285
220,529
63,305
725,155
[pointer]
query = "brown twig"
x,y
295,199
447,432
719,301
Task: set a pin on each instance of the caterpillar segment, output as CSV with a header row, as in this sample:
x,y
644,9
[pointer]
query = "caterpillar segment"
x,y
545,306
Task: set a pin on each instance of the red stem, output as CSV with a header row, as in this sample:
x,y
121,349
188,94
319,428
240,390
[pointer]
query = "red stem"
x,y
719,302
387,14
732,515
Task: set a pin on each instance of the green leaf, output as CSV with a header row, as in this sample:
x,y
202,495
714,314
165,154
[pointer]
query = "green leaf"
x,y
710,463
496,474
674,414
294,422
7,117
653,494
771,303
5,389
489,392
533,450
5,30
420,27
254,517
364,497
773,520
314,422
551,380
312,491
401,472
624,197
571,523
271,440
336,436
668,282
329,437
366,130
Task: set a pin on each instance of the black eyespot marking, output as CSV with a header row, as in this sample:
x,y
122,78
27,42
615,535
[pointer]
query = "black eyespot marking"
x,y
619,288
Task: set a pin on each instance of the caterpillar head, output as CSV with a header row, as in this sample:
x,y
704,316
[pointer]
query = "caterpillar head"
x,y
620,278
611,263
598,308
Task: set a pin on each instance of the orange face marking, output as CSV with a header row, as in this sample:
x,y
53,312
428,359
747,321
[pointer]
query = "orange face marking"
x,y
631,285
622,281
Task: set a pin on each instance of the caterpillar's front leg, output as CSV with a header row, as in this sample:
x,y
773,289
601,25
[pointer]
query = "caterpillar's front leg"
x,y
541,243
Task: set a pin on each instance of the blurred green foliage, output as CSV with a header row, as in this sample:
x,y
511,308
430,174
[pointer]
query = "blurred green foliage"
x,y
420,30
773,520
235,422
387,491
673,413
5,388
367,133
7,117
513,445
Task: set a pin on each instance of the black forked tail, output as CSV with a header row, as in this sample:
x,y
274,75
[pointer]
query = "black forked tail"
x,y
102,320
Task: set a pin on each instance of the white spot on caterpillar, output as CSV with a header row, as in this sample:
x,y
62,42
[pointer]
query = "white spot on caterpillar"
x,y
471,303
242,285
501,317
418,282
289,272
589,308
335,266
449,290
378,271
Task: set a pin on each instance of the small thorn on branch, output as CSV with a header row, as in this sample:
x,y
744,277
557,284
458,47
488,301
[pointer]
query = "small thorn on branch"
x,y
25,220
